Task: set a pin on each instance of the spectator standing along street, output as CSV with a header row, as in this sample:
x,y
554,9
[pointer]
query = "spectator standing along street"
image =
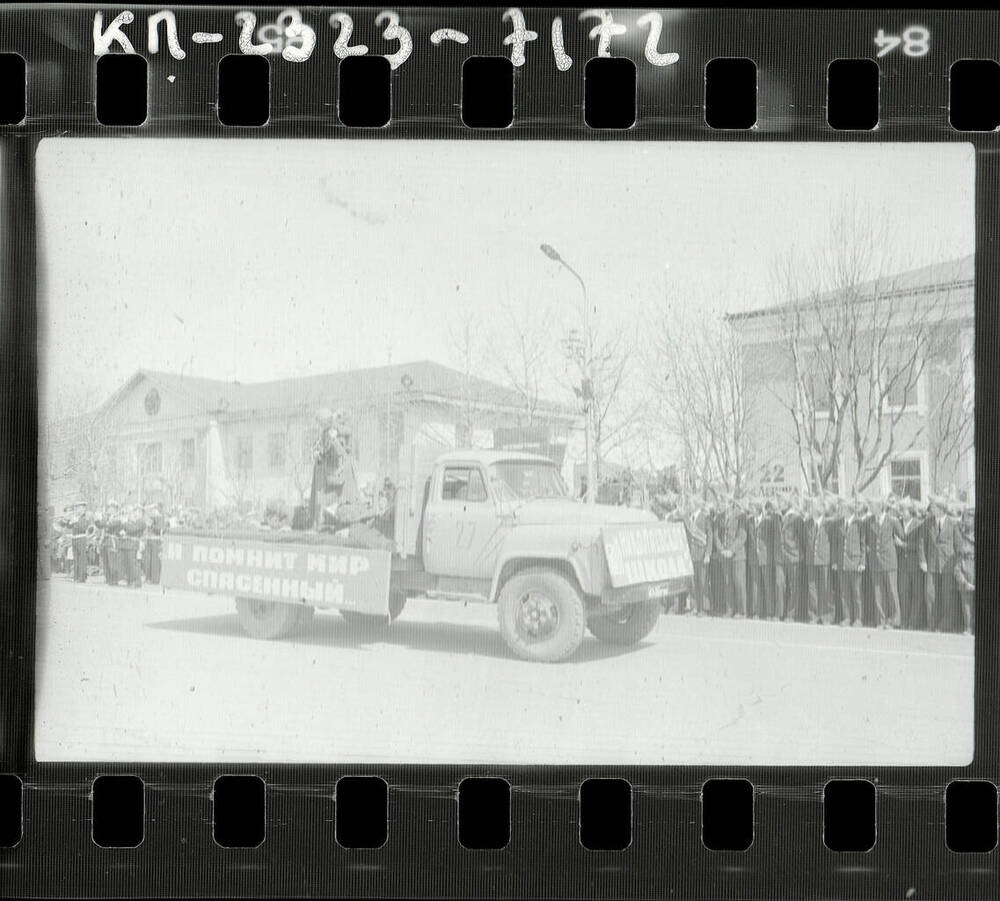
x,y
852,564
965,568
940,535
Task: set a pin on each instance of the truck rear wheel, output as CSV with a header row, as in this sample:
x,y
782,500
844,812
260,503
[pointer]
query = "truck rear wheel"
x,y
267,619
629,625
541,615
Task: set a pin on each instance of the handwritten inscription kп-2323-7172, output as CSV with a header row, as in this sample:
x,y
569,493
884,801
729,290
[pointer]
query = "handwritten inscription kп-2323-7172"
x,y
294,39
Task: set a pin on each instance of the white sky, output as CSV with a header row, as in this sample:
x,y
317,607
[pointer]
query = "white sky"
x,y
260,259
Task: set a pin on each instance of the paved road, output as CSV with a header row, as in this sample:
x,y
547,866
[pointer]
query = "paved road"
x,y
138,674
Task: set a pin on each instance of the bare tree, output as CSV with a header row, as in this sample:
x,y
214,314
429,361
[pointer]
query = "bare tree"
x,y
950,420
469,348
78,456
300,459
855,346
520,354
705,401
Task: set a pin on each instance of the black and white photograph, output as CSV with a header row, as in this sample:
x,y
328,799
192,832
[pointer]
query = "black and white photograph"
x,y
495,452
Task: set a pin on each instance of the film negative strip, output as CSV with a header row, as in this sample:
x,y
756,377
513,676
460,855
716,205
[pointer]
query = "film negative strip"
x,y
515,451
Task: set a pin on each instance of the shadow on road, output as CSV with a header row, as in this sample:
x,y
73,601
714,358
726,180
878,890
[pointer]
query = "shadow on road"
x,y
331,631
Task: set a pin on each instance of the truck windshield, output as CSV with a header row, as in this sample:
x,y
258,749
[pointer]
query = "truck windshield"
x,y
527,480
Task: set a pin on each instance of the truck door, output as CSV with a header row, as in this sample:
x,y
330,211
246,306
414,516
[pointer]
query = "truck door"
x,y
462,531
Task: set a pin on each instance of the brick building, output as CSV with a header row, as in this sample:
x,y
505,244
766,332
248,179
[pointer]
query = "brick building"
x,y
912,411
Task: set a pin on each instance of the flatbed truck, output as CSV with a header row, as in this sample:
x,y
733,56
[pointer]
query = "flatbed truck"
x,y
486,526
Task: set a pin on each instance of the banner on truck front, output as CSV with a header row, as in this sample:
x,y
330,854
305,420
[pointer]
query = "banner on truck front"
x,y
641,552
314,574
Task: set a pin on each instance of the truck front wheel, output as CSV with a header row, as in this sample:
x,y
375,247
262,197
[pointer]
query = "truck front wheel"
x,y
267,619
542,616
629,625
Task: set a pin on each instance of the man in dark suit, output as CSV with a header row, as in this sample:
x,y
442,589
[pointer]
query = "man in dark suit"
x,y
750,524
764,537
834,517
867,608
698,525
939,547
790,554
885,532
912,566
129,535
716,569
78,529
852,563
965,567
151,557
112,527
818,565
733,550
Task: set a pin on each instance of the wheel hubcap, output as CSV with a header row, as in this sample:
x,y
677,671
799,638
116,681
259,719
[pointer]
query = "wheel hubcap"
x,y
537,617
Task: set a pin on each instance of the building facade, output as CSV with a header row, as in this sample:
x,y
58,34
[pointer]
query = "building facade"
x,y
868,390
203,442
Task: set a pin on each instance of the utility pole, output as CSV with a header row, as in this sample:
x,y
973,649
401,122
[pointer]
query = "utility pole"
x,y
586,389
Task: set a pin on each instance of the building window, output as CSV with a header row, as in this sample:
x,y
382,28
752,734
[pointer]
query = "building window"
x,y
463,484
817,384
906,477
244,453
901,395
187,453
276,450
151,457
904,389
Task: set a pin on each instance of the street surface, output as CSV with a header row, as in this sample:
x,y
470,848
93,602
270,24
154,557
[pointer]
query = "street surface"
x,y
143,675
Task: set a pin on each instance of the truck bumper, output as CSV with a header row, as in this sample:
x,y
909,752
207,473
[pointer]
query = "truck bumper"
x,y
613,598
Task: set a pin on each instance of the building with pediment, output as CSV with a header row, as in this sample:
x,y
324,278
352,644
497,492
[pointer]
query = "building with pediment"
x,y
171,438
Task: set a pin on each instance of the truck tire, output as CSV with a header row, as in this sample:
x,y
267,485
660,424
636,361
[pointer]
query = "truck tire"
x,y
542,617
267,619
629,625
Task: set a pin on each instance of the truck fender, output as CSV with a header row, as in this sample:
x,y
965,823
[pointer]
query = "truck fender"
x,y
509,566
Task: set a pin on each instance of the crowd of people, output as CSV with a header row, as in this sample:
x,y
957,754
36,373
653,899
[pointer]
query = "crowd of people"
x,y
888,562
124,544
121,544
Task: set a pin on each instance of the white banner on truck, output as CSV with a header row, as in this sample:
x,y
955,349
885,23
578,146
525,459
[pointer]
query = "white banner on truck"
x,y
315,574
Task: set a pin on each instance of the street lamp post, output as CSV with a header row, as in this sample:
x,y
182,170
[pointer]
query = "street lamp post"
x,y
587,385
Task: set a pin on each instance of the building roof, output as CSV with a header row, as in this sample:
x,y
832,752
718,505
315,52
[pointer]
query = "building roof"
x,y
958,273
423,379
